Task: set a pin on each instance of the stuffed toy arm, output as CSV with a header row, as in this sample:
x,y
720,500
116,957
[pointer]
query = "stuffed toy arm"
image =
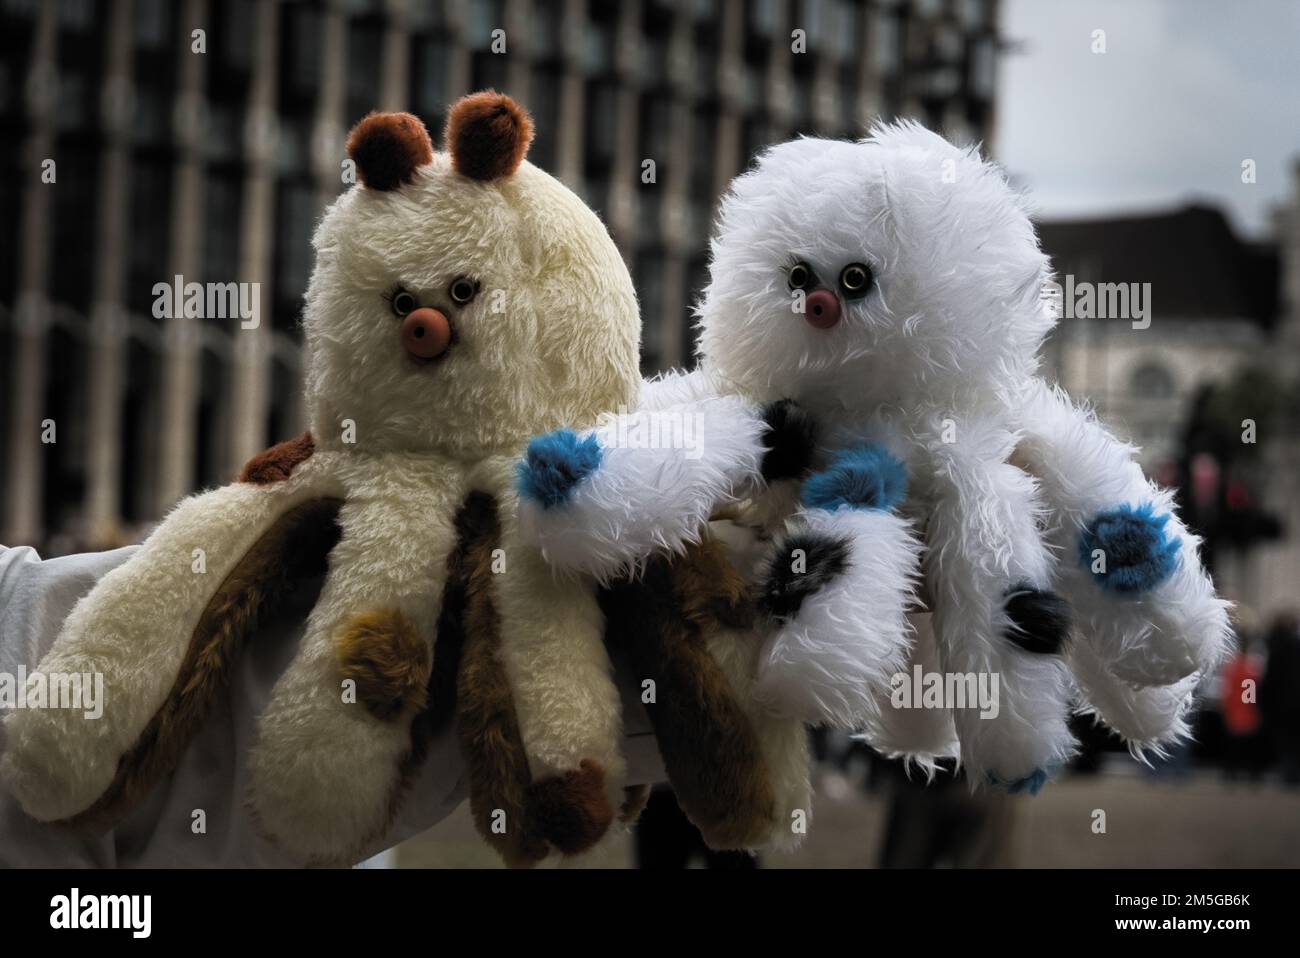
x,y
602,501
332,743
1133,570
161,630
989,575
537,711
1149,622
36,598
919,736
838,586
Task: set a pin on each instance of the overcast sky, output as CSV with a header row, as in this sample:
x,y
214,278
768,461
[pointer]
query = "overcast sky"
x,y
1186,90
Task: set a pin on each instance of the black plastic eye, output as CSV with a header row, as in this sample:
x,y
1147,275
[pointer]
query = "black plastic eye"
x,y
462,290
404,302
801,276
856,280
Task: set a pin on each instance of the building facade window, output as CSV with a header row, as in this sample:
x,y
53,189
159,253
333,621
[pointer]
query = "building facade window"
x,y
1152,380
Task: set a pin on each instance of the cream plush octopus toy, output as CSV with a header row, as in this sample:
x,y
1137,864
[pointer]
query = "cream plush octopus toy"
x,y
432,353
893,288
461,302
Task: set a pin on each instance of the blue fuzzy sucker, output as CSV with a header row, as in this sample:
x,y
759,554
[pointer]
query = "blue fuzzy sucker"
x,y
554,465
864,478
1139,554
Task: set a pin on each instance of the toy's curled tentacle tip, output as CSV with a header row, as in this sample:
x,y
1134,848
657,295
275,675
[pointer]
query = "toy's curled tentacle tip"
x,y
865,478
791,440
1039,619
802,565
555,464
573,810
1030,784
1128,550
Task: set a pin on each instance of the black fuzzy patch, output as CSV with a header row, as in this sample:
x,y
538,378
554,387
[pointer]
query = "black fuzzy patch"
x,y
785,589
1040,620
791,439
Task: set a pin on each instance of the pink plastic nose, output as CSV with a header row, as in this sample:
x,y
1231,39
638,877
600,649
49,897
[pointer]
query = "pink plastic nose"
x,y
426,333
822,308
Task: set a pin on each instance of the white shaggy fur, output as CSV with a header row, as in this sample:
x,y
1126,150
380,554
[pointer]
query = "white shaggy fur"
x,y
645,499
824,665
938,363
1150,718
1178,628
920,736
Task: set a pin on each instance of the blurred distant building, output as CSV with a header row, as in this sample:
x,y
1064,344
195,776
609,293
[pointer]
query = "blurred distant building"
x,y
1220,306
214,165
1213,309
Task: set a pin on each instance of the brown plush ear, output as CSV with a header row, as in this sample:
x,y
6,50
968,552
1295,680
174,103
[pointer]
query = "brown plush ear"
x,y
488,135
388,147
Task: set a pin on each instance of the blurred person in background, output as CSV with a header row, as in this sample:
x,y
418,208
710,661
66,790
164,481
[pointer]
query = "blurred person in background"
x,y
1245,745
1279,694
946,825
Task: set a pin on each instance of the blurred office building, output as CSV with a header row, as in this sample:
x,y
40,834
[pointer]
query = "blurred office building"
x,y
153,139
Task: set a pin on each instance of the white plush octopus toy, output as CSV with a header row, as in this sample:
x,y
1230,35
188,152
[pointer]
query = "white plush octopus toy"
x,y
890,291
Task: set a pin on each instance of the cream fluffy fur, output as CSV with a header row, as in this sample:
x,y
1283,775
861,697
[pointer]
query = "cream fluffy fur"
x,y
135,627
550,340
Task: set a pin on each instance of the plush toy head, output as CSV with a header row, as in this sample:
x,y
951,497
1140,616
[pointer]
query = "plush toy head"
x,y
462,301
915,259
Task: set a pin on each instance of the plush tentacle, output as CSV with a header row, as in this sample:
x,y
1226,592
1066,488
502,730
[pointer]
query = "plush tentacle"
x,y
642,482
1149,718
710,747
783,740
468,691
566,705
839,585
1130,567
901,728
334,739
988,573
162,630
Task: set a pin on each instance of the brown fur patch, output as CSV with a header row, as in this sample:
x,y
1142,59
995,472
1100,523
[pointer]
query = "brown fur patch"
x,y
572,809
468,686
488,135
388,148
710,749
635,798
294,547
277,463
710,589
388,659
